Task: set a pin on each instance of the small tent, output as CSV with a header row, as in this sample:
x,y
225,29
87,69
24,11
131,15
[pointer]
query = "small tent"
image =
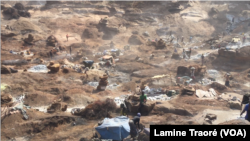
x,y
115,128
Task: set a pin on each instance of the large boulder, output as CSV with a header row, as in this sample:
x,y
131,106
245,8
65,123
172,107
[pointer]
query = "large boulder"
x,y
217,86
19,6
6,98
135,40
5,6
235,105
16,12
211,116
132,102
90,33
12,12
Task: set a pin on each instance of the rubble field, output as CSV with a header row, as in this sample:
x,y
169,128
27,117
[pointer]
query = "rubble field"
x,y
67,65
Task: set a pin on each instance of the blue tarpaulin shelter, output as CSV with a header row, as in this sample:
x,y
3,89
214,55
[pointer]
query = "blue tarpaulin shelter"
x,y
115,128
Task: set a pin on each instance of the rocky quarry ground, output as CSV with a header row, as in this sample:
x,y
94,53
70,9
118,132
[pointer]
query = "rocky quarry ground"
x,y
44,91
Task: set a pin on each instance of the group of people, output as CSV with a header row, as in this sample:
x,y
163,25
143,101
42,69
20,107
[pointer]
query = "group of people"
x,y
135,122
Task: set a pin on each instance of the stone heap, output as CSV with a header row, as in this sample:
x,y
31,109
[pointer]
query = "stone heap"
x,y
53,67
103,82
51,40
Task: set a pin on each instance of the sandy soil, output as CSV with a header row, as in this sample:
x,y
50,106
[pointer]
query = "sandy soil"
x,y
81,22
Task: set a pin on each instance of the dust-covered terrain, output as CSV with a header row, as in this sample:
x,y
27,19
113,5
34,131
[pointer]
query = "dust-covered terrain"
x,y
65,66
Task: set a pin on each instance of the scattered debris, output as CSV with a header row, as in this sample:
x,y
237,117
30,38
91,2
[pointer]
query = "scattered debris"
x,y
38,68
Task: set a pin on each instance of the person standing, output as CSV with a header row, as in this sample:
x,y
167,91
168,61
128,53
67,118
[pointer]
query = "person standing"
x,y
124,111
111,44
189,55
227,76
244,39
51,54
143,100
70,49
192,73
175,50
184,54
190,39
85,71
138,90
202,59
246,109
182,39
67,36
233,20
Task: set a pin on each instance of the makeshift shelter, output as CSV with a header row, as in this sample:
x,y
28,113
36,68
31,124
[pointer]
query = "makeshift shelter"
x,y
115,128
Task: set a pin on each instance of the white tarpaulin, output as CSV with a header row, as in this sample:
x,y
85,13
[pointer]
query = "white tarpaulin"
x,y
207,94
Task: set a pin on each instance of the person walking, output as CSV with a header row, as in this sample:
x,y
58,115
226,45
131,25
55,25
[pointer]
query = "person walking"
x,y
70,49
